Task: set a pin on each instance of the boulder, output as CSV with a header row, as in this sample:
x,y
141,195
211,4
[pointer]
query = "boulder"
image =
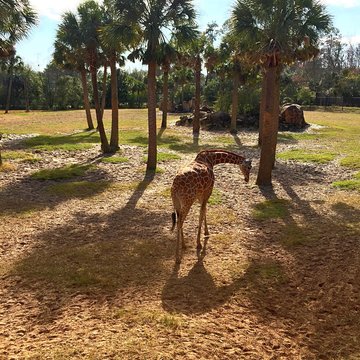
x,y
218,120
292,117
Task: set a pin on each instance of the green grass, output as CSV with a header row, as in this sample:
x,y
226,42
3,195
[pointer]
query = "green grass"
x,y
267,272
351,184
271,209
76,141
66,172
296,137
115,159
20,156
215,198
307,156
351,161
78,189
293,236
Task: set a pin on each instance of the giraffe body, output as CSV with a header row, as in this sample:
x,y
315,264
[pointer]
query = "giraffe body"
x,y
195,182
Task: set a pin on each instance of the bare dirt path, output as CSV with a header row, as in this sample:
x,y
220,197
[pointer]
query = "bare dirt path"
x,y
93,276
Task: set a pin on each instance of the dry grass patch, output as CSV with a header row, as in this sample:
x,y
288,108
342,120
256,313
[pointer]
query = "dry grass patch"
x,y
7,167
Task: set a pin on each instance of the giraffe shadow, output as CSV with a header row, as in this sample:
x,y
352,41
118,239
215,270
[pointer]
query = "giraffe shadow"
x,y
195,293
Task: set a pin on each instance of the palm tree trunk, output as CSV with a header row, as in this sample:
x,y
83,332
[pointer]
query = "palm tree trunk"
x,y
103,95
26,90
100,125
235,100
8,98
165,99
196,122
0,150
152,148
86,99
114,137
262,106
270,125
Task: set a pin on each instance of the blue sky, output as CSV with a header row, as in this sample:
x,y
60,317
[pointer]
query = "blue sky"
x,y
37,49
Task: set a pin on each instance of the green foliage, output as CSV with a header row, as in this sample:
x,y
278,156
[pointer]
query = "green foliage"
x,y
305,96
306,156
66,172
271,209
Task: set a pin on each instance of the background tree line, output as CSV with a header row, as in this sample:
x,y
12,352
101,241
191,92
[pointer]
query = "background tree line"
x,y
334,73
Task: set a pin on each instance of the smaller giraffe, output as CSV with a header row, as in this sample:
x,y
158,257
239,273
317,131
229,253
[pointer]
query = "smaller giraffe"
x,y
196,181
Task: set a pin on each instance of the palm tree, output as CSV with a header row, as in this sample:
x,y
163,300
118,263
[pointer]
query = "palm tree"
x,y
70,54
168,54
91,19
15,64
272,34
116,36
154,17
16,19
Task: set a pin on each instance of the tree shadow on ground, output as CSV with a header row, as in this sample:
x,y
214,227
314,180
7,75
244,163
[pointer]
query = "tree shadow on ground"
x,y
99,256
316,293
35,195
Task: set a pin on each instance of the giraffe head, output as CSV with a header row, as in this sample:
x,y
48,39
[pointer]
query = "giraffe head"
x,y
245,167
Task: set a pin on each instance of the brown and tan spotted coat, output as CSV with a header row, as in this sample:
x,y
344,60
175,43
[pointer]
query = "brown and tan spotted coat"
x,y
196,181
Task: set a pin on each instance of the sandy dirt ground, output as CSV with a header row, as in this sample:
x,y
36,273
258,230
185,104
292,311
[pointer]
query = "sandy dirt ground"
x,y
93,276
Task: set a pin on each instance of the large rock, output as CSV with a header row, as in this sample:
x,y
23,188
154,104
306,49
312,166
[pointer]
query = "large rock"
x,y
218,120
292,117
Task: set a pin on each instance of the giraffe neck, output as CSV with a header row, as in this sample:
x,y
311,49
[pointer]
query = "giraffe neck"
x,y
214,157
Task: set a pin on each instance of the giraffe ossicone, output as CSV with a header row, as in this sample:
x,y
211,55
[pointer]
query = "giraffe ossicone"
x,y
195,182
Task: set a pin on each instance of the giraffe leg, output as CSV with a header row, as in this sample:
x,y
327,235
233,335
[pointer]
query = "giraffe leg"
x,y
206,233
201,219
178,240
180,236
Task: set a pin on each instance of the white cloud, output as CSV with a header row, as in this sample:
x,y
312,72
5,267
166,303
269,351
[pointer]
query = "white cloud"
x,y
342,3
53,9
351,39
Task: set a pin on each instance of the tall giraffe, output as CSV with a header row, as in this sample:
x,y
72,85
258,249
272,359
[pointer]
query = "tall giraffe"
x,y
196,181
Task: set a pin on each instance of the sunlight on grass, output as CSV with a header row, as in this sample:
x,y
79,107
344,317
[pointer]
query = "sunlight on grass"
x,y
271,209
306,156
149,317
7,167
352,161
76,141
215,198
78,188
221,215
20,155
286,137
115,159
351,184
66,172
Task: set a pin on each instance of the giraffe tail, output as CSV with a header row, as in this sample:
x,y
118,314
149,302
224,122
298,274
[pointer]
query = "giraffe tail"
x,y
174,216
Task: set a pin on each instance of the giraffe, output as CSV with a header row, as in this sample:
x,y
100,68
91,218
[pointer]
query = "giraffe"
x,y
196,181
